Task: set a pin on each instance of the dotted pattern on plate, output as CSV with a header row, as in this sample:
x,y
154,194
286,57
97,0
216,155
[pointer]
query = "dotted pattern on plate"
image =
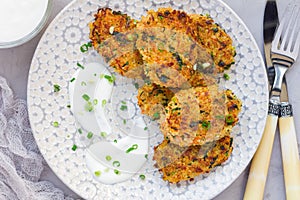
x,y
55,62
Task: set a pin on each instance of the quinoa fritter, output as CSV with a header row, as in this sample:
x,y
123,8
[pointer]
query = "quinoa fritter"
x,y
152,100
118,49
185,163
196,116
200,27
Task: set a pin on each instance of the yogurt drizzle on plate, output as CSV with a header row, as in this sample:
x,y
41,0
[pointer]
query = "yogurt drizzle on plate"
x,y
110,161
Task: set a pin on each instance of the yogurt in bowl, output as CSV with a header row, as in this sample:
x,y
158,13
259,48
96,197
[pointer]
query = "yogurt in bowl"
x,y
21,20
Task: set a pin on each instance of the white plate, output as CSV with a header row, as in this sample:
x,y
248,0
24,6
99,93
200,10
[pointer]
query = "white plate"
x,y
55,62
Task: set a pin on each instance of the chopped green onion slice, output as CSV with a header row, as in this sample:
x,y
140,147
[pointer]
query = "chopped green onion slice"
x,y
146,156
229,119
73,79
124,121
89,135
85,47
108,158
89,106
104,102
110,79
103,134
133,147
68,106
80,131
226,76
146,128
115,141
206,125
56,88
97,173
95,101
142,176
123,102
83,83
80,66
116,163
55,124
117,171
123,107
136,85
86,97
74,147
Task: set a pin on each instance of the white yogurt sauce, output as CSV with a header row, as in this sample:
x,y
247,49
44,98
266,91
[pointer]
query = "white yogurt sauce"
x,y
96,154
18,18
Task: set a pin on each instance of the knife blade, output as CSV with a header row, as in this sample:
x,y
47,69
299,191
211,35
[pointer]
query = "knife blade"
x,y
260,163
270,23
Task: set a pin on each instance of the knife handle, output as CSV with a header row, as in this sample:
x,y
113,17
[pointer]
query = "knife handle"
x,y
290,153
260,163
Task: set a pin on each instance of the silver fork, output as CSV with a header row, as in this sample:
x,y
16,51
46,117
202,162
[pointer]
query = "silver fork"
x,y
284,52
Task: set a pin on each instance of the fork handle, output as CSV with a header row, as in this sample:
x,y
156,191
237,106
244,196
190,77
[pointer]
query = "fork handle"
x,y
260,163
290,153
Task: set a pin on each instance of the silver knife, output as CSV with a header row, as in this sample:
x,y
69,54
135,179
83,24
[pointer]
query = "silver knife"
x,y
260,163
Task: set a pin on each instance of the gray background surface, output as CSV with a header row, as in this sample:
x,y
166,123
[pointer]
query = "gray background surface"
x,y
15,64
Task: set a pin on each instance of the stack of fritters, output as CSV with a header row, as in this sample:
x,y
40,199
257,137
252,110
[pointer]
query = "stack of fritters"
x,y
179,55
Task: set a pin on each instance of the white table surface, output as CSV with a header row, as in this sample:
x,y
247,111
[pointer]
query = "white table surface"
x,y
15,63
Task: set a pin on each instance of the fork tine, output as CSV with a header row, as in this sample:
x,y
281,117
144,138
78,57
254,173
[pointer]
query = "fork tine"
x,y
287,39
276,40
294,19
297,46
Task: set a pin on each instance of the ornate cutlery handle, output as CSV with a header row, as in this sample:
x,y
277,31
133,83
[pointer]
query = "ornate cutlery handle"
x,y
290,153
260,163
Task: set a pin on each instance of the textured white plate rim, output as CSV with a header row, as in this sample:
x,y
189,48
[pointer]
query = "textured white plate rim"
x,y
223,4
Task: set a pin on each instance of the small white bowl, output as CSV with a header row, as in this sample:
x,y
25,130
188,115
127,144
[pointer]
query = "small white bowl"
x,y
32,34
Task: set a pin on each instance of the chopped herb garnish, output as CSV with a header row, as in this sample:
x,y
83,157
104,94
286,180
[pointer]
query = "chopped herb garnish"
x,y
73,79
95,101
56,88
83,83
95,74
146,156
123,107
80,66
116,164
156,115
124,121
68,106
108,158
229,119
55,124
74,147
85,47
103,134
142,176
226,76
116,171
111,79
80,131
123,102
97,173
86,97
146,128
136,85
115,141
89,106
206,124
104,101
89,135
133,147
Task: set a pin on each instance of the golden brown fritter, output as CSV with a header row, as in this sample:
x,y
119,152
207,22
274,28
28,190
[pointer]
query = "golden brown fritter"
x,y
201,28
199,115
152,100
185,163
111,35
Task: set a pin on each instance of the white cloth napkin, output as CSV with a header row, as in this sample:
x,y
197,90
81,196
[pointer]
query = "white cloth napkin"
x,y
21,163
